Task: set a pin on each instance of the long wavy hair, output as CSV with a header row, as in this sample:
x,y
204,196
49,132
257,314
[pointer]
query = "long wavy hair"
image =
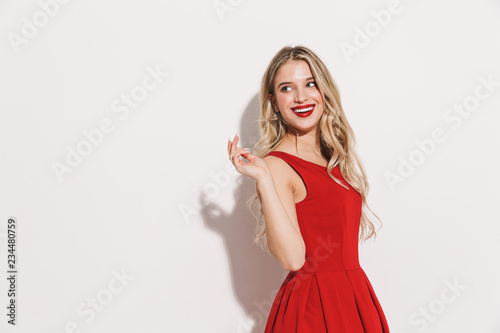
x,y
337,137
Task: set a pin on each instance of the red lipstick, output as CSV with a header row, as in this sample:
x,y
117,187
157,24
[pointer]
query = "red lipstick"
x,y
304,110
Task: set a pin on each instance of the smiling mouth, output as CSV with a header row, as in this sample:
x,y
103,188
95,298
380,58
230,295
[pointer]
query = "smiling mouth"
x,y
303,109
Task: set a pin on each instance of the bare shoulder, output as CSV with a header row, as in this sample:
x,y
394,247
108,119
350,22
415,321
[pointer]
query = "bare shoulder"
x,y
276,165
281,171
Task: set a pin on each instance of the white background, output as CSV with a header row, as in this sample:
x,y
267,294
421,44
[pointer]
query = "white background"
x,y
155,198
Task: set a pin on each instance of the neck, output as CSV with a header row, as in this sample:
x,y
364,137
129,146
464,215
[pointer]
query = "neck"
x,y
304,141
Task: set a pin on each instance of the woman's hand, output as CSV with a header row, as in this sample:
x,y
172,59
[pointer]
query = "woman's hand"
x,y
255,168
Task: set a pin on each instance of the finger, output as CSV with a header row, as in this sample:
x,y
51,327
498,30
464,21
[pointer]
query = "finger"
x,y
237,153
246,154
232,155
235,159
231,146
234,146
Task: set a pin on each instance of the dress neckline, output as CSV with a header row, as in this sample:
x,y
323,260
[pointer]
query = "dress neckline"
x,y
279,151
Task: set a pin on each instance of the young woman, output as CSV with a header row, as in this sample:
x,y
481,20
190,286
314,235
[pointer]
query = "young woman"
x,y
312,191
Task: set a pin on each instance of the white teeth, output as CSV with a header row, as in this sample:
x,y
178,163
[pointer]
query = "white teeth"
x,y
304,110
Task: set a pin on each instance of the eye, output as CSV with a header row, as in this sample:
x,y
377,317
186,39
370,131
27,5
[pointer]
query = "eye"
x,y
285,87
312,84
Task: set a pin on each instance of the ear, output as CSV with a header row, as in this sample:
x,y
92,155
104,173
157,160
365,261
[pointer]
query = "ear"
x,y
273,102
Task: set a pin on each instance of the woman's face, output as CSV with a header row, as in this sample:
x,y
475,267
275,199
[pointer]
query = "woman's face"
x,y
295,91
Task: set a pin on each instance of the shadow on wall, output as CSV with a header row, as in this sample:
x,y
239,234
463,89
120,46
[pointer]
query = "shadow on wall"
x,y
256,275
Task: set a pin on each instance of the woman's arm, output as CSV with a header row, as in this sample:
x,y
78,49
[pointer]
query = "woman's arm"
x,y
275,192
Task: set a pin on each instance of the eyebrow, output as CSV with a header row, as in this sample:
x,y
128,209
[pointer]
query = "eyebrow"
x,y
282,83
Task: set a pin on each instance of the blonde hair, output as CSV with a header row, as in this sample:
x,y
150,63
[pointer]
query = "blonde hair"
x,y
337,137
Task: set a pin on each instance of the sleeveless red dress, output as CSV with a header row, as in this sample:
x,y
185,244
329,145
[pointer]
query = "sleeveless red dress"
x,y
331,292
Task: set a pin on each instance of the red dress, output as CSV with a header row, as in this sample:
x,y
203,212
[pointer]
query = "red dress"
x,y
331,292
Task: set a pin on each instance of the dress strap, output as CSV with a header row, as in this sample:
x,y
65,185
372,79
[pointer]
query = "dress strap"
x,y
304,167
297,160
294,161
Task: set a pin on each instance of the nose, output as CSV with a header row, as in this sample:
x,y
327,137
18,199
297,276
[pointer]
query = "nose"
x,y
300,96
